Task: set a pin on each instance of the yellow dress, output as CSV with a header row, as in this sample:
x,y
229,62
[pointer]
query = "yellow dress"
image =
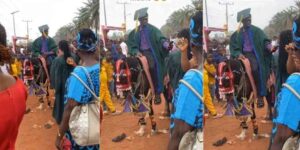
x,y
208,80
104,92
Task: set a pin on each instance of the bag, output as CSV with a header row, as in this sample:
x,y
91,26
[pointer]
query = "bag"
x,y
85,118
192,140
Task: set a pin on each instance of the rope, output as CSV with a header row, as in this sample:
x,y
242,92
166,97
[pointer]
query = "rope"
x,y
192,89
292,90
86,86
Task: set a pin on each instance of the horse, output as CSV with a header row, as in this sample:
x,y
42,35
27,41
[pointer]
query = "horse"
x,y
41,80
139,100
235,85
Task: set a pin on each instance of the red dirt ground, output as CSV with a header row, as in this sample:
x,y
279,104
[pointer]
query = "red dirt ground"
x,y
30,138
113,126
215,129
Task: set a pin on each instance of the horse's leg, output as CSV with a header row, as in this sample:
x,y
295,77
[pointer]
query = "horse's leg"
x,y
254,123
151,116
142,123
244,126
48,97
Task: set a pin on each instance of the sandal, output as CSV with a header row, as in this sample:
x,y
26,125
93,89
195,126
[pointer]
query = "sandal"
x,y
220,142
119,138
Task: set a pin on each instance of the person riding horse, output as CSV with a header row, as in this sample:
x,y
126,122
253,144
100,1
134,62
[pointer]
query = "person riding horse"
x,y
251,42
148,41
44,49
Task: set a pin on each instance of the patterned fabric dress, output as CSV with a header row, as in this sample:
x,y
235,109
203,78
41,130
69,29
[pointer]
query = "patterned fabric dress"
x,y
76,91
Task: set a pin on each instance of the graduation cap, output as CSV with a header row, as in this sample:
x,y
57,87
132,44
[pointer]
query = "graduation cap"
x,y
43,28
141,13
243,14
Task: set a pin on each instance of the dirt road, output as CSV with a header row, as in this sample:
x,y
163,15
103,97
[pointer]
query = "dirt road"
x,y
32,133
113,126
228,127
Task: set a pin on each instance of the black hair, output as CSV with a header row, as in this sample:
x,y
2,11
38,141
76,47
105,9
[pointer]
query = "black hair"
x,y
4,52
2,35
285,37
64,46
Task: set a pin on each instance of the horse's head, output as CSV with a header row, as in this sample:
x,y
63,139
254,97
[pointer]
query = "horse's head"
x,y
135,67
122,72
229,75
237,70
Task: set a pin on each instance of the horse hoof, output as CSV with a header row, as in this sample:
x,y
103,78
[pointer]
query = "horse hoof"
x,y
241,137
139,133
255,136
153,132
40,107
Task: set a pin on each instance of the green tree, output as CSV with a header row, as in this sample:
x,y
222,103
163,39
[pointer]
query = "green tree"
x,y
87,17
282,20
180,19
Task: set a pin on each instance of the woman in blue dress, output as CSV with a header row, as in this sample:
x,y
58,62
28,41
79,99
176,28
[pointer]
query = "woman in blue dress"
x,y
287,107
76,93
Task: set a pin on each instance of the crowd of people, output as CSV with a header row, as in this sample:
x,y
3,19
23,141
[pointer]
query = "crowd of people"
x,y
173,72
270,66
69,69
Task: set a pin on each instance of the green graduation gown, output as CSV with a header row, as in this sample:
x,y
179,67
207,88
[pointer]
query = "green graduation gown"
x,y
263,56
156,39
37,45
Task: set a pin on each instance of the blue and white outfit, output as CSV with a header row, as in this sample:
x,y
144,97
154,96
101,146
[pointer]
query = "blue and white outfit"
x,y
187,106
77,92
288,105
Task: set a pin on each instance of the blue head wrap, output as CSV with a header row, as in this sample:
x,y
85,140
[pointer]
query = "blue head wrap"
x,y
296,38
196,29
86,40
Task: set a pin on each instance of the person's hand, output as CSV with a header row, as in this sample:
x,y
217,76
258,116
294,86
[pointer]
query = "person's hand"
x,y
289,47
241,56
71,61
170,47
59,143
139,54
45,55
182,44
274,48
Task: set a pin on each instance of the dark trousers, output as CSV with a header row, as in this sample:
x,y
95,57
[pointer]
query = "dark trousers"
x,y
255,71
152,69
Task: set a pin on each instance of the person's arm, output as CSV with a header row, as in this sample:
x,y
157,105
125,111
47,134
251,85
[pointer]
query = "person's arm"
x,y
179,130
53,47
132,46
35,48
64,125
282,134
183,46
235,46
